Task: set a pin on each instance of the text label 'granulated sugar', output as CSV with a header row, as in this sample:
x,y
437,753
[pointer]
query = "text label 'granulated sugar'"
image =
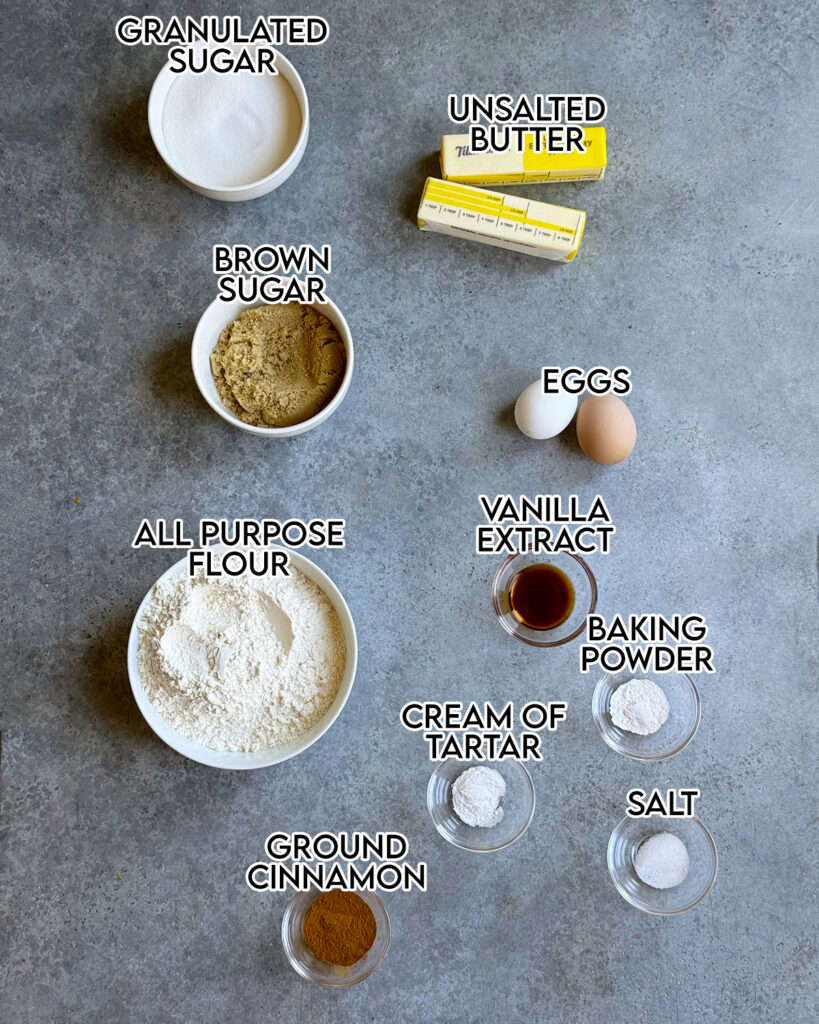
x,y
222,45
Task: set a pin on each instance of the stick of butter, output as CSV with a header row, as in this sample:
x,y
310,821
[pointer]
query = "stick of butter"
x,y
539,229
458,163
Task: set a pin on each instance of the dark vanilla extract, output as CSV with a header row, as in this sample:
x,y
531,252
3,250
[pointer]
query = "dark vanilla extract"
x,y
541,596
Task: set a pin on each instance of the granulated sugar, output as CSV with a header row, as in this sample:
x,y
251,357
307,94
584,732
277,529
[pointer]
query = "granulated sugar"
x,y
228,130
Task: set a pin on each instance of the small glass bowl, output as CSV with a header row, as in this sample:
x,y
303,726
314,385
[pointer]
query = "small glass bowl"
x,y
305,963
585,593
627,838
518,806
676,733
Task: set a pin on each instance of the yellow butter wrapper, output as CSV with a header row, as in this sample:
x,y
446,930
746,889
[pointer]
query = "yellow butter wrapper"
x,y
538,229
461,165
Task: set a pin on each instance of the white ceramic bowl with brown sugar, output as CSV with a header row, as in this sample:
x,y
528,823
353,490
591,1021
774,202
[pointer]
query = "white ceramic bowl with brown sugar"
x,y
211,324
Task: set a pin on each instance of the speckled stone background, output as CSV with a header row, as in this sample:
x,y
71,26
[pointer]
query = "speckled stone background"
x,y
121,877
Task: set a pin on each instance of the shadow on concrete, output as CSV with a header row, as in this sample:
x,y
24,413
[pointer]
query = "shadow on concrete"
x,y
568,441
125,130
505,417
427,166
171,377
107,684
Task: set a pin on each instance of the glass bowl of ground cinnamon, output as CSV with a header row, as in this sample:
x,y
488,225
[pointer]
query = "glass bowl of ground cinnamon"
x,y
336,938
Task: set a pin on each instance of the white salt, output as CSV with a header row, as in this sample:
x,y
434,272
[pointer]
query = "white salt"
x,y
662,861
226,130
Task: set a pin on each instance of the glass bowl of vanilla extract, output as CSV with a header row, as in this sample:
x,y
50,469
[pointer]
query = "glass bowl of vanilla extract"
x,y
544,600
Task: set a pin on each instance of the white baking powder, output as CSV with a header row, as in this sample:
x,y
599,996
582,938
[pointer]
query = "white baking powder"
x,y
662,861
477,797
241,664
639,706
230,129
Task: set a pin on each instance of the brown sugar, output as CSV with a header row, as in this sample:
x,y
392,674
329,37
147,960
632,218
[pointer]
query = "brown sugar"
x,y
275,366
339,928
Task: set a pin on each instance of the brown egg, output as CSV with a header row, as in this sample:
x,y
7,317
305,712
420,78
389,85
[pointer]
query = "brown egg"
x,y
606,430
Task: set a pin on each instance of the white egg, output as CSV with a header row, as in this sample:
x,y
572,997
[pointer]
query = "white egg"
x,y
541,416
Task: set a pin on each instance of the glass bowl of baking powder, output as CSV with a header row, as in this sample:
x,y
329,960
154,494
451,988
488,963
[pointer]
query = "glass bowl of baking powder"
x,y
672,736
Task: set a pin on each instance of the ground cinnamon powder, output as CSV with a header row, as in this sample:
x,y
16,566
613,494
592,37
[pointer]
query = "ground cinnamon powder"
x,y
339,928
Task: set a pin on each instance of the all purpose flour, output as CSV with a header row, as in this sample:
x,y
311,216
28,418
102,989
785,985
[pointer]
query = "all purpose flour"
x,y
241,664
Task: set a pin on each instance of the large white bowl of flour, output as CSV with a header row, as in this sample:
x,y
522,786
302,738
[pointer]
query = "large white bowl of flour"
x,y
195,654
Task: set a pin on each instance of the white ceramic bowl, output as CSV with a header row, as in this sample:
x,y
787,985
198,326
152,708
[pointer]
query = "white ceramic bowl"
x,y
211,324
231,193
258,758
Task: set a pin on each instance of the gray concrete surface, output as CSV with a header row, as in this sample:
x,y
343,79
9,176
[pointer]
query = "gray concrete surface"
x,y
122,864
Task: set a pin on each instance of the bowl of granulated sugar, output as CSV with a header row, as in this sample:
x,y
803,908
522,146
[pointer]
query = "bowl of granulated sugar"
x,y
230,136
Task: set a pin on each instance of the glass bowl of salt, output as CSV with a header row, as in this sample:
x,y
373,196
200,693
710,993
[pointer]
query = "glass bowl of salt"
x,y
662,865
511,811
641,723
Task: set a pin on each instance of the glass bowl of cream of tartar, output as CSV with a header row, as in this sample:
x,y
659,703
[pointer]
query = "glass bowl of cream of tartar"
x,y
518,806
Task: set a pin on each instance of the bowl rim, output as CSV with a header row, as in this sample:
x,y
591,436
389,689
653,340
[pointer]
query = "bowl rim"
x,y
216,758
201,335
530,786
657,911
289,910
609,740
529,640
276,177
